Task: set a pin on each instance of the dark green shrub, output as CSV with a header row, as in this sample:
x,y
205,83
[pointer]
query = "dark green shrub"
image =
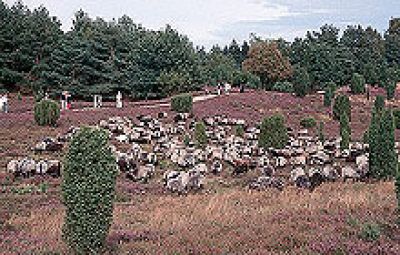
x,y
397,184
379,104
308,122
182,103
321,133
239,130
283,86
357,84
301,81
88,191
200,134
345,131
186,140
273,132
19,97
390,89
341,104
329,93
46,113
370,232
396,115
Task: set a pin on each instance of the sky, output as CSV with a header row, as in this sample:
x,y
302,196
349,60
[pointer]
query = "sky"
x,y
210,22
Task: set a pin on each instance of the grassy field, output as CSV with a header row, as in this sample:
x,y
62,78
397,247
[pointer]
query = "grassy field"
x,y
225,218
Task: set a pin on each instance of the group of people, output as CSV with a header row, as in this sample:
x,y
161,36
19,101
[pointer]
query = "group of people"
x,y
4,103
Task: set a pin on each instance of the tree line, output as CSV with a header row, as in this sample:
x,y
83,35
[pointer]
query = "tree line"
x,y
102,57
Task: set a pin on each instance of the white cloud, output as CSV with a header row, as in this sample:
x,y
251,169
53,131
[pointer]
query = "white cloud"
x,y
199,19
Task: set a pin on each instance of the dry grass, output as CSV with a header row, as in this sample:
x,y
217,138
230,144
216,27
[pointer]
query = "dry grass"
x,y
231,221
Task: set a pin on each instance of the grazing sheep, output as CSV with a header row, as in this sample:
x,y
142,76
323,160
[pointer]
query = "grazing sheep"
x,y
280,162
240,166
216,167
54,168
316,178
42,167
350,173
299,178
329,173
268,170
27,167
12,167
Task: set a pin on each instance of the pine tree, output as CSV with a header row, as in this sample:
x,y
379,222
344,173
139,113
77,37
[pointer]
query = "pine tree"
x,y
374,137
388,154
345,131
379,104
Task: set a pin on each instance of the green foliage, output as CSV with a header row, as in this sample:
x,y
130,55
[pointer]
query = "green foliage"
x,y
321,132
397,184
341,104
239,130
379,104
391,89
47,113
383,157
182,103
396,115
388,155
186,140
19,97
267,62
200,134
88,191
345,131
283,86
370,232
301,81
273,132
309,122
329,92
357,84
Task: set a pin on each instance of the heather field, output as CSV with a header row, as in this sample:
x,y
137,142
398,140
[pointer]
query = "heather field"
x,y
223,218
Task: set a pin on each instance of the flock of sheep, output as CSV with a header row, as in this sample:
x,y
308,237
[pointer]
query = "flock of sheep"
x,y
156,144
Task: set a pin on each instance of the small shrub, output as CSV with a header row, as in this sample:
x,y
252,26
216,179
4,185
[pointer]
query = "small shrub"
x,y
200,134
370,232
308,122
273,132
182,103
46,113
396,115
43,187
19,97
357,84
341,104
186,140
379,104
397,184
345,131
283,86
301,81
88,191
321,133
239,130
330,89
390,89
